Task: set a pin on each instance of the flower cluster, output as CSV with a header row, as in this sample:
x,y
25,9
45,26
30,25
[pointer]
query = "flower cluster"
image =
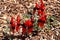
x,y
27,26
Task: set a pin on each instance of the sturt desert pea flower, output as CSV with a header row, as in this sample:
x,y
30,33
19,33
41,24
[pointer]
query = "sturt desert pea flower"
x,y
23,29
28,24
41,21
18,23
40,12
42,7
12,24
41,1
18,20
36,7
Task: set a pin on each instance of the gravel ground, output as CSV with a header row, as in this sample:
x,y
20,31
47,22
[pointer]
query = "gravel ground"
x,y
10,8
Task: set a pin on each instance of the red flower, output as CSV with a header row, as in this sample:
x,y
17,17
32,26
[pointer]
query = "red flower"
x,y
41,1
12,20
30,30
18,23
18,20
12,24
28,24
41,25
40,12
42,5
41,21
36,6
17,28
23,30
40,8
